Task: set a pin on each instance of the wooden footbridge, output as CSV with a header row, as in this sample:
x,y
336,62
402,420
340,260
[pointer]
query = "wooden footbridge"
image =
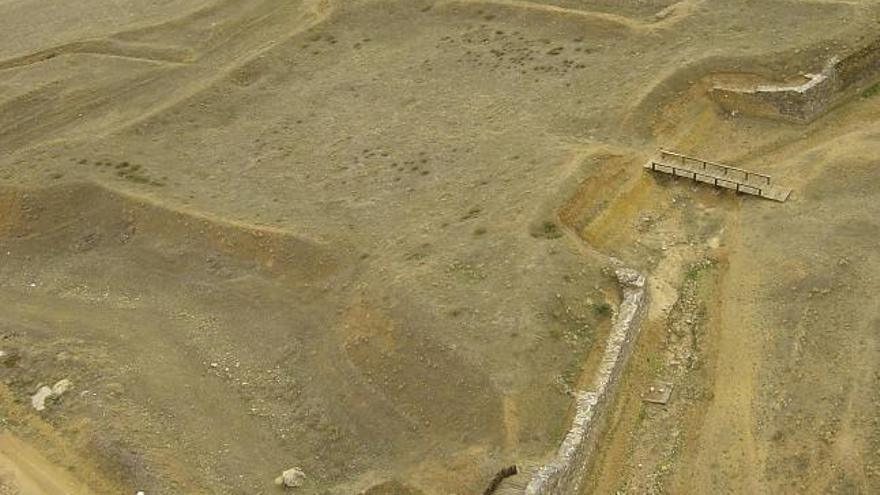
x,y
718,175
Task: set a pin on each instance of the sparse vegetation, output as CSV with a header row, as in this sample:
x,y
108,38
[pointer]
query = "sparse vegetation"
x,y
602,309
694,271
547,230
871,91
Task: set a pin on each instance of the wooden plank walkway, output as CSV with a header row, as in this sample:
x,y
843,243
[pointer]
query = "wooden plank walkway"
x,y
718,175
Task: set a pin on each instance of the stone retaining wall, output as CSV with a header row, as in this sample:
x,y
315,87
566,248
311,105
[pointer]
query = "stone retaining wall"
x,y
566,472
803,102
793,102
860,66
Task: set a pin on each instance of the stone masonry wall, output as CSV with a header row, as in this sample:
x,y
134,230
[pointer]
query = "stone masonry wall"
x,y
565,473
799,103
804,102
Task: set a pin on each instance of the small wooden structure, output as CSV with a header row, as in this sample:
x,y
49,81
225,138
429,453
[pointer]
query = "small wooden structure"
x,y
717,174
658,393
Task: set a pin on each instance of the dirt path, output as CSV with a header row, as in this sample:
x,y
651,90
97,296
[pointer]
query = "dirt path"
x,y
726,458
24,471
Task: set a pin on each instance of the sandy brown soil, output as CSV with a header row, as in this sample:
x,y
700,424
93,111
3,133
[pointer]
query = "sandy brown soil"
x,y
24,471
366,238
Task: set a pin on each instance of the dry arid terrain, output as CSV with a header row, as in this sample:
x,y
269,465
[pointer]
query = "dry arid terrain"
x,y
371,239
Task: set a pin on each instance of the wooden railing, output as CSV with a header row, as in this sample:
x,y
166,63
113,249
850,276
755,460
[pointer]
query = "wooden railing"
x,y
705,165
731,183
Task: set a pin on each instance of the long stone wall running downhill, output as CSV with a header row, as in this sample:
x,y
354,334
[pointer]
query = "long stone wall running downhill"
x,y
803,102
565,473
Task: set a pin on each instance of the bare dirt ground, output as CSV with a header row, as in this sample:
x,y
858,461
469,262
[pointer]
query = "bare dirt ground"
x,y
27,472
366,238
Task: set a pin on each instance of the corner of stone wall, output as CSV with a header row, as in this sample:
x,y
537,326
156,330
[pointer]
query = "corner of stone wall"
x,y
802,103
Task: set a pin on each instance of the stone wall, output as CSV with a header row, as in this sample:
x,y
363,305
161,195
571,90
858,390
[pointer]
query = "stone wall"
x,y
803,102
566,472
800,102
860,66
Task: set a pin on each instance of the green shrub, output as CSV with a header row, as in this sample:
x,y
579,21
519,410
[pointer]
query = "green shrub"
x,y
871,91
602,309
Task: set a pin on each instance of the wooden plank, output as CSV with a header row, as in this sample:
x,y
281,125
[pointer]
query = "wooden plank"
x,y
719,175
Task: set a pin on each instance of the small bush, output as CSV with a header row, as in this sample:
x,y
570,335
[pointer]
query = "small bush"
x,y
547,230
602,309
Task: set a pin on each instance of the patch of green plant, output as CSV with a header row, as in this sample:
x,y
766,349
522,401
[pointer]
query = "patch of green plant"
x,y
547,230
693,273
871,91
602,309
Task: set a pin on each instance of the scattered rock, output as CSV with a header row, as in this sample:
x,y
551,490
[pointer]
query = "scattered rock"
x,y
630,278
61,387
292,478
38,400
44,393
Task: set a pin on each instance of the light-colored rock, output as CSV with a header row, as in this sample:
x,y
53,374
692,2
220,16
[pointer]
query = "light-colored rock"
x,y
630,278
44,393
61,387
38,400
292,478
